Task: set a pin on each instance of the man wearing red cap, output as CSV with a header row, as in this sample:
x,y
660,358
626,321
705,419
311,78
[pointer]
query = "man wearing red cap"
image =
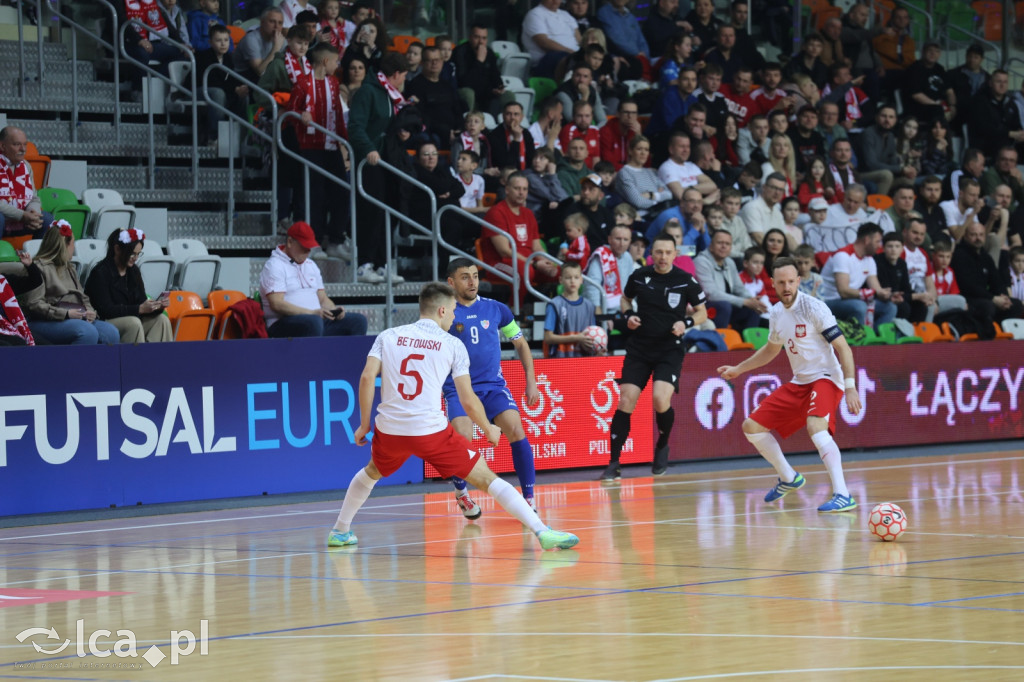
x,y
294,301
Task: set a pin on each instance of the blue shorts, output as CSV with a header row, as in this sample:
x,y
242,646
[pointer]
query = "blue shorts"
x,y
495,402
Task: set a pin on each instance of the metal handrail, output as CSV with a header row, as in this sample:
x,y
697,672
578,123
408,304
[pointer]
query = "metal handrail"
x,y
547,256
346,184
253,87
55,11
513,279
388,212
191,93
974,38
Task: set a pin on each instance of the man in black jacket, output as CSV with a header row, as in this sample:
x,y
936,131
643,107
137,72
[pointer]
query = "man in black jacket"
x,y
993,118
438,100
476,69
511,143
979,279
893,274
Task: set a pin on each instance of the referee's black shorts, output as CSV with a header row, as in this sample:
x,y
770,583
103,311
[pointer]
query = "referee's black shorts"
x,y
644,358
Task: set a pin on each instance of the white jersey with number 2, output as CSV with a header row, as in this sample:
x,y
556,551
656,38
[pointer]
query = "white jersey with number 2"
x,y
415,360
805,331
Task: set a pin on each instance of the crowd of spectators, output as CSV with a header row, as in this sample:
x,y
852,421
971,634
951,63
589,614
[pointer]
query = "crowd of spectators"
x,y
743,158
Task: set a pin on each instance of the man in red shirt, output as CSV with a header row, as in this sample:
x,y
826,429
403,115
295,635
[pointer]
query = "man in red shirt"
x,y
738,96
770,96
617,132
511,216
581,127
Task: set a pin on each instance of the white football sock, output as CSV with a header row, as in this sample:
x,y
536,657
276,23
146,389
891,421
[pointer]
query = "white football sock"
x,y
514,503
358,490
769,448
832,460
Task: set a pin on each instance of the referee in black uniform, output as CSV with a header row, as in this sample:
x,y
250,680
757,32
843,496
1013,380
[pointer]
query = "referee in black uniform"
x,y
655,346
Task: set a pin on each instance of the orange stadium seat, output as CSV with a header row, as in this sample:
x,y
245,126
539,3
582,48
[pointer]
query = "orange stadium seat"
x,y
932,333
224,326
189,319
733,340
879,202
402,43
237,33
40,166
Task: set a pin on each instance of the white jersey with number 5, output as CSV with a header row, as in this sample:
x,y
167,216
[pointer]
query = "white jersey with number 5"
x,y
805,331
415,360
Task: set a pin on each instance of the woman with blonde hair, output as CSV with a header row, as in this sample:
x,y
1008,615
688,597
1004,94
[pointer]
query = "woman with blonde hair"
x,y
782,159
59,311
115,287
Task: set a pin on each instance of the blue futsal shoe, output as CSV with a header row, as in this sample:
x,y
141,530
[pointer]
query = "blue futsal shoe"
x,y
338,539
839,503
782,488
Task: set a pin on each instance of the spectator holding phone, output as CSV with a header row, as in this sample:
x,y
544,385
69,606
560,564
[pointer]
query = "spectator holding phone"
x,y
59,311
294,301
116,290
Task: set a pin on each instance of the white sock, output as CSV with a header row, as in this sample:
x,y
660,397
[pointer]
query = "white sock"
x,y
511,501
358,490
832,460
769,448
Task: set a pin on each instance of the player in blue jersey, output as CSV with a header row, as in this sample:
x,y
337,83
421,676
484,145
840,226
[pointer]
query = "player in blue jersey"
x,y
481,323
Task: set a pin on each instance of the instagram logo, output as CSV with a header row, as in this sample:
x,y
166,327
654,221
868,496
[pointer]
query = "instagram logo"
x,y
757,388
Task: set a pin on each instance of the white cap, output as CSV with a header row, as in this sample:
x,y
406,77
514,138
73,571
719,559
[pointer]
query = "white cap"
x,y
817,204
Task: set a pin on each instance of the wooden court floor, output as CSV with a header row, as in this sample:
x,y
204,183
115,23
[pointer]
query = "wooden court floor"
x,y
686,577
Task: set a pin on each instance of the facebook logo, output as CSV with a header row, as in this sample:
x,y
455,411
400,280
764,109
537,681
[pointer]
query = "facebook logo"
x,y
714,404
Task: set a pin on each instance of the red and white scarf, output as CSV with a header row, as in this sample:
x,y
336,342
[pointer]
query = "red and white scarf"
x,y
12,319
468,141
16,184
397,101
337,33
294,67
522,146
609,276
148,13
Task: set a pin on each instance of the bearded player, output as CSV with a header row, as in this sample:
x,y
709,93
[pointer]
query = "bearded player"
x,y
805,327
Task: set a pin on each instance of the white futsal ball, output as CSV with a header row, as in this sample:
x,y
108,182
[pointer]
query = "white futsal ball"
x,y
887,521
600,338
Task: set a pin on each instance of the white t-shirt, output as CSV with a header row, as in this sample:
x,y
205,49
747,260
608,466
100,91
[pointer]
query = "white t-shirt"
x,y
919,266
686,174
954,216
803,330
558,26
838,217
415,360
859,269
474,190
299,282
538,137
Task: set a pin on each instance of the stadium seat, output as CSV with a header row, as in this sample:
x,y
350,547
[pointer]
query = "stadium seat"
x,y
76,215
88,252
490,198
1014,327
401,43
8,254
157,268
512,82
525,97
237,33
177,101
887,332
543,87
32,246
110,212
879,202
52,198
504,47
733,340
516,64
189,319
197,270
40,165
932,333
1001,334
756,336
220,303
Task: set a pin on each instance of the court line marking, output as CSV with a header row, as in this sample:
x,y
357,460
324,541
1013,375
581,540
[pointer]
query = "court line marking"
x,y
791,671
503,676
581,489
719,635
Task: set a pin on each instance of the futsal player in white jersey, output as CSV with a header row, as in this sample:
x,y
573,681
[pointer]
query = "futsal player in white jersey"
x,y
805,328
413,361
